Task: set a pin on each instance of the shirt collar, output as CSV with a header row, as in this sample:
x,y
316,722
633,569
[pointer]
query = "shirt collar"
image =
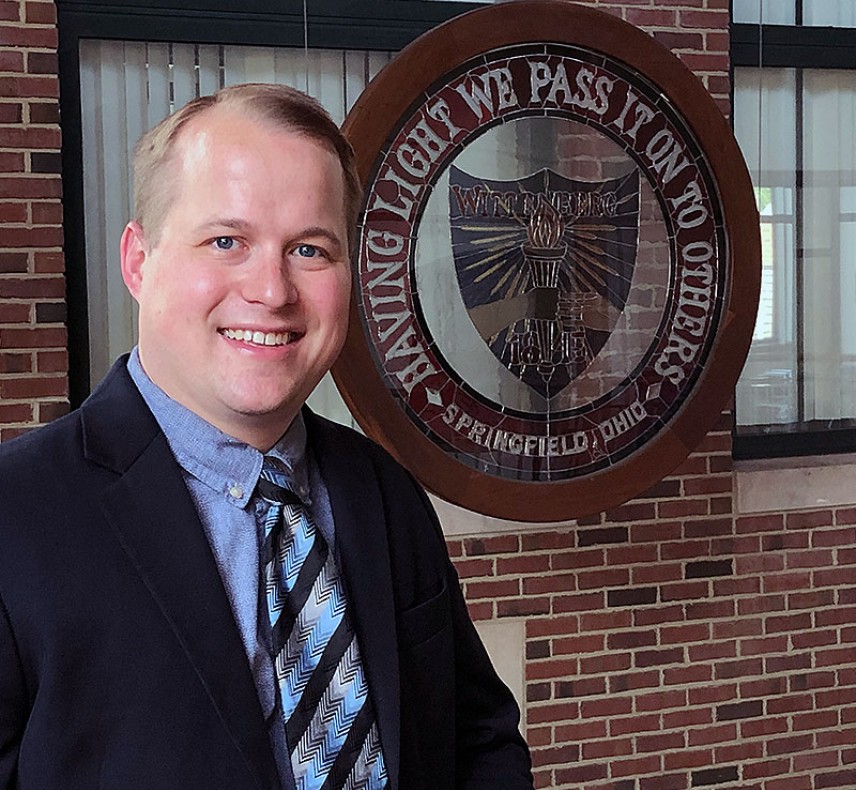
x,y
223,463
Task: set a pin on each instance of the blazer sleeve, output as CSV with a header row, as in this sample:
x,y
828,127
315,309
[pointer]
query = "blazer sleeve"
x,y
12,702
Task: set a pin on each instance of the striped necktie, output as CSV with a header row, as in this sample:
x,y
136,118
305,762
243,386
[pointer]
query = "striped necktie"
x,y
330,726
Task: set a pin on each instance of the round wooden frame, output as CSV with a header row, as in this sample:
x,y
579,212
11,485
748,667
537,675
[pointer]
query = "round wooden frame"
x,y
386,100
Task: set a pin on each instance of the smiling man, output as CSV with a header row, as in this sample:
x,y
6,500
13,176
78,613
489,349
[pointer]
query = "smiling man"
x,y
202,584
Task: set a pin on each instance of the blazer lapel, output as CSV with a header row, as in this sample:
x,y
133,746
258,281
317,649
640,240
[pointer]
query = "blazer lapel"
x,y
157,524
363,552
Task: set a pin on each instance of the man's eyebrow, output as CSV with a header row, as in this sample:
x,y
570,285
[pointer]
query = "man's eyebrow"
x,y
316,230
226,222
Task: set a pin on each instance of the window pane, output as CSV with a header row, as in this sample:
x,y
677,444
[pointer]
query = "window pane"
x,y
829,270
829,13
801,369
768,12
765,126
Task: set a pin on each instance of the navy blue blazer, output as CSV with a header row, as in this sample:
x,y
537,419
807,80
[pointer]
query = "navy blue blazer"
x,y
120,662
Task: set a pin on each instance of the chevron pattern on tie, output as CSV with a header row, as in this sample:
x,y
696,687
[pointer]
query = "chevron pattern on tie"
x,y
329,722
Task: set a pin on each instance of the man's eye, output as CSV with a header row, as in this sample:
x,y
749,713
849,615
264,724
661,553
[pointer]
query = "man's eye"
x,y
307,251
224,243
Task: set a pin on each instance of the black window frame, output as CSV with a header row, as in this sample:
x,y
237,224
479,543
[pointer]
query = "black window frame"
x,y
797,47
331,24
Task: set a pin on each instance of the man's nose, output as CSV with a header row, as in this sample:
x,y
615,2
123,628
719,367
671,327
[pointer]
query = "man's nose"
x,y
269,280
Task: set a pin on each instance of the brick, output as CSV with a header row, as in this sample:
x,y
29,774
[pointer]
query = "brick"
x,y
11,112
665,489
578,603
42,63
716,651
685,549
713,735
595,537
628,681
501,588
550,669
526,563
809,519
683,507
538,649
12,389
14,313
566,753
40,13
590,558
32,338
44,112
688,758
31,287
636,511
687,717
32,237
639,596
584,687
590,772
16,363
13,212
685,634
557,583
638,765
15,412
655,573
684,591
707,568
27,87
538,692
740,710
44,38
765,523
468,569
709,610
13,137
663,782
787,582
656,658
11,60
598,665
523,607
501,544
45,162
48,262
709,527
603,578
10,11
541,541
52,410
713,693
761,604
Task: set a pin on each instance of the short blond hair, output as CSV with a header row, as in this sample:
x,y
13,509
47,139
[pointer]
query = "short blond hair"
x,y
280,105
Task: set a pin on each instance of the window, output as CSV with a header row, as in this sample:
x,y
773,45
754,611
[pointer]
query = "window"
x,y
795,119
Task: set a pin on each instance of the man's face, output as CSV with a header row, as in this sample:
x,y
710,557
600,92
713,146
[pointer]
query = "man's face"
x,y
244,294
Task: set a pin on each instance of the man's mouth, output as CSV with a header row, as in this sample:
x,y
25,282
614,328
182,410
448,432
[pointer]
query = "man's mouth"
x,y
257,338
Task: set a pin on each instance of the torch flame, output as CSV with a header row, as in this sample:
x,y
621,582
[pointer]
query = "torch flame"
x,y
545,226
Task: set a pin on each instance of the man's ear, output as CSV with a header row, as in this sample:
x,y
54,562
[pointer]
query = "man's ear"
x,y
133,250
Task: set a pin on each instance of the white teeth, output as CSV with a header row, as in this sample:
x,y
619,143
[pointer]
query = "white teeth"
x,y
259,338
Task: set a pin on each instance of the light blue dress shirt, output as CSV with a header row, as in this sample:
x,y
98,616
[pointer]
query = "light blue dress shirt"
x,y
221,473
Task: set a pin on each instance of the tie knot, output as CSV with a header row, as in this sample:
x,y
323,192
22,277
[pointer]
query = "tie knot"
x,y
273,484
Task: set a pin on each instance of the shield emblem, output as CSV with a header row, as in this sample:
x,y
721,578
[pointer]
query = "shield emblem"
x,y
544,264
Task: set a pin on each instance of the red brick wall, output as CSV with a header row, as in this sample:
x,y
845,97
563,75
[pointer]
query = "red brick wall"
x,y
670,645
33,355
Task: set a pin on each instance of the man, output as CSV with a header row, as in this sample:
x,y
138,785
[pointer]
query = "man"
x,y
202,584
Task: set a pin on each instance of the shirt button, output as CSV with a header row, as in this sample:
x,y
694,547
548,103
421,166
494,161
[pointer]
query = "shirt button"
x,y
236,492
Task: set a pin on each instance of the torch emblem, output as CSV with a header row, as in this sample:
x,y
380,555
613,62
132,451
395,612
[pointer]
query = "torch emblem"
x,y
544,265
